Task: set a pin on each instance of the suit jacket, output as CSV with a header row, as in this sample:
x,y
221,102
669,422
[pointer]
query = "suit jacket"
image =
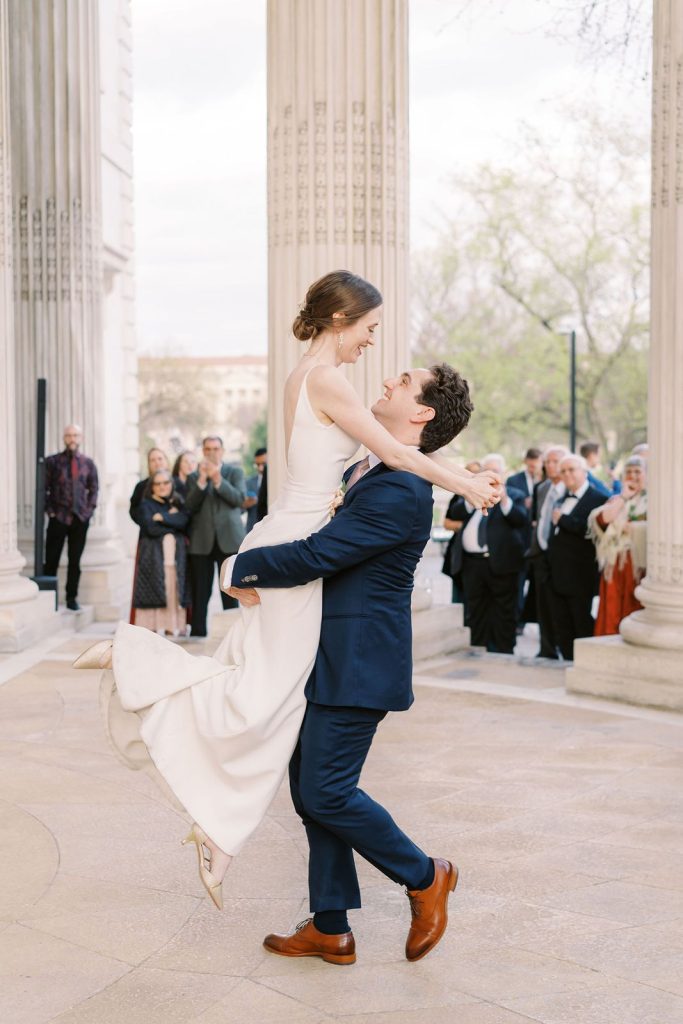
x,y
573,567
367,556
598,485
519,482
506,535
540,491
216,512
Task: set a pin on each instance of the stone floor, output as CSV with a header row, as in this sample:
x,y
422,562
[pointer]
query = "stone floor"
x,y
564,816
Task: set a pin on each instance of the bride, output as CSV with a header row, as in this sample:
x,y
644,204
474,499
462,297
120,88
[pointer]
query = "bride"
x,y
220,730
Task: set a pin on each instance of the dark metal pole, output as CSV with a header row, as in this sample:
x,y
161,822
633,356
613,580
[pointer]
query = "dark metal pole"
x,y
572,391
39,523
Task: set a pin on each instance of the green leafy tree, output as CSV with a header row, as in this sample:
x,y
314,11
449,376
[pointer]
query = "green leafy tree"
x,y
559,241
258,438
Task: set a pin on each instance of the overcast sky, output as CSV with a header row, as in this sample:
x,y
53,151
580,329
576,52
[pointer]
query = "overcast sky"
x,y
200,143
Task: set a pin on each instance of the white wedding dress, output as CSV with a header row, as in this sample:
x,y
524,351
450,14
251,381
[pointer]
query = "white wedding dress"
x,y
221,730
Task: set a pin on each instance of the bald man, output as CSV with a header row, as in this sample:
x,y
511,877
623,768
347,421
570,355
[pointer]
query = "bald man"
x,y
71,488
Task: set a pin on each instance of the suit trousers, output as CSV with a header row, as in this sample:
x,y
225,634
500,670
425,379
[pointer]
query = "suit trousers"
x,y
545,613
491,604
75,535
573,619
202,569
338,816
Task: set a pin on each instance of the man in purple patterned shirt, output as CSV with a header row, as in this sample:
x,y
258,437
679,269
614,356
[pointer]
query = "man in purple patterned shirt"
x,y
70,498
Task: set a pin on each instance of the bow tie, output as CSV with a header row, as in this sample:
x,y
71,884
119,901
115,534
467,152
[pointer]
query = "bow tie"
x,y
570,494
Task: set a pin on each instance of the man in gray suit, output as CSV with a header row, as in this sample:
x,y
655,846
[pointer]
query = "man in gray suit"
x,y
546,496
215,495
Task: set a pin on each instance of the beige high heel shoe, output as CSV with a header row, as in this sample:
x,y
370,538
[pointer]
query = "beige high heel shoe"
x,y
214,888
99,655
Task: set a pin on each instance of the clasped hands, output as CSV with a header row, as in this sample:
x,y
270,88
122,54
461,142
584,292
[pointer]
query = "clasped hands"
x,y
485,489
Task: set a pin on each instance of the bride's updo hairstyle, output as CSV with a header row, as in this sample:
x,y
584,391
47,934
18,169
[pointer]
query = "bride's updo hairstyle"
x,y
338,292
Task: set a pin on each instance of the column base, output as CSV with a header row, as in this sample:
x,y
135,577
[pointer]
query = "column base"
x,y
607,666
438,631
108,588
23,623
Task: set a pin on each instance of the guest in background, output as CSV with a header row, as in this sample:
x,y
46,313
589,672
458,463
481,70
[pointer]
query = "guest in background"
x,y
71,488
571,554
524,482
455,525
641,450
489,551
527,478
262,501
253,484
156,459
590,451
618,530
215,495
546,495
185,464
161,591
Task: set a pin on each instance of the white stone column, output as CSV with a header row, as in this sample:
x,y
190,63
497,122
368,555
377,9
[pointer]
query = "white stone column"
x,y
56,169
23,610
337,176
644,664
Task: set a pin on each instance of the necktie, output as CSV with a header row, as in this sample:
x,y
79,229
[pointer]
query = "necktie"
x,y
482,538
74,484
546,514
361,468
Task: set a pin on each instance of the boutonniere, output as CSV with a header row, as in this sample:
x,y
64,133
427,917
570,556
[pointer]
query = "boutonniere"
x,y
337,499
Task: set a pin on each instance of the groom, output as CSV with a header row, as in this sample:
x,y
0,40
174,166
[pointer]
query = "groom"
x,y
367,556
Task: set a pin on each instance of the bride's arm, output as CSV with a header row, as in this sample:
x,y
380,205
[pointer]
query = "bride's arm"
x,y
339,401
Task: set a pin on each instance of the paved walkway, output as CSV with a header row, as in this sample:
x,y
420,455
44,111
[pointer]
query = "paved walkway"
x,y
564,816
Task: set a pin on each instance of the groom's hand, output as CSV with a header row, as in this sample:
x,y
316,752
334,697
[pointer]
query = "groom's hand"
x,y
246,596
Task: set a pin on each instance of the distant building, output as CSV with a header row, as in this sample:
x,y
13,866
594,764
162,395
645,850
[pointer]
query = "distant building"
x,y
184,397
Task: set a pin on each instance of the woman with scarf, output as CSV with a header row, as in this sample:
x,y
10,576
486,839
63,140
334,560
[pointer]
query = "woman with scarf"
x,y
619,531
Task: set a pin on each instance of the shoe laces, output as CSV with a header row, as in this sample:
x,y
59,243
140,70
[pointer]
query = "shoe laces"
x,y
302,924
415,903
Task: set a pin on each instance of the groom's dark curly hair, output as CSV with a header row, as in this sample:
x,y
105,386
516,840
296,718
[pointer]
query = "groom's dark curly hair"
x,y
448,394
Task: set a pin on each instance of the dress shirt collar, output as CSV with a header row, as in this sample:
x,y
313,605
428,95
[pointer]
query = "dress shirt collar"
x,y
581,491
373,460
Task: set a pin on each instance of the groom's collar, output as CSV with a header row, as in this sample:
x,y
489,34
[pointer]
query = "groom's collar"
x,y
374,460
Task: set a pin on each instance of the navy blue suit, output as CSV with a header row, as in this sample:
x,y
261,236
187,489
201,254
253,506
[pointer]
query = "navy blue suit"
x,y
367,557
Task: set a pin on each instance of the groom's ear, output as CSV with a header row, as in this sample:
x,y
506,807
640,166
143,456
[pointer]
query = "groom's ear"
x,y
423,414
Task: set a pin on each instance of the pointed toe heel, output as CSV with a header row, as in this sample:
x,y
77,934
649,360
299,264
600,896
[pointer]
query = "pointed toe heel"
x,y
214,888
99,655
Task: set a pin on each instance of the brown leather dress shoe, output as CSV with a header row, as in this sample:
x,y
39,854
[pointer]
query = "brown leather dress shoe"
x,y
306,940
429,909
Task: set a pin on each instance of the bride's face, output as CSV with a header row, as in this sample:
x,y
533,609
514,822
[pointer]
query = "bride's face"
x,y
359,335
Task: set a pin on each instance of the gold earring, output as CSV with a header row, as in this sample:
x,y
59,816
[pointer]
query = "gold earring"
x,y
340,342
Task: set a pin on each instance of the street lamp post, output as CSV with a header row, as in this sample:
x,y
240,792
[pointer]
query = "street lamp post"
x,y
572,391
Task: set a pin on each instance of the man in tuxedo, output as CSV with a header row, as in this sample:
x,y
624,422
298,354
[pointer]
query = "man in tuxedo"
x,y
546,495
367,557
215,495
524,482
253,484
71,489
489,553
571,555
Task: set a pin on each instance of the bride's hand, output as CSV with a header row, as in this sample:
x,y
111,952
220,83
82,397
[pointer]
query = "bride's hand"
x,y
245,595
483,490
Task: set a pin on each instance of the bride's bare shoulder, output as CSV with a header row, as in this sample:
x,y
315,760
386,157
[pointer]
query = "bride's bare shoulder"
x,y
326,379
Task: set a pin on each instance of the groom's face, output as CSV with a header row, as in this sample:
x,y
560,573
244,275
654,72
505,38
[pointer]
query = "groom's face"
x,y
399,406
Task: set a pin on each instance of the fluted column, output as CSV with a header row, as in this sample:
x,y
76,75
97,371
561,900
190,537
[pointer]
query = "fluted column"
x,y
56,170
660,624
337,176
643,665
19,605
